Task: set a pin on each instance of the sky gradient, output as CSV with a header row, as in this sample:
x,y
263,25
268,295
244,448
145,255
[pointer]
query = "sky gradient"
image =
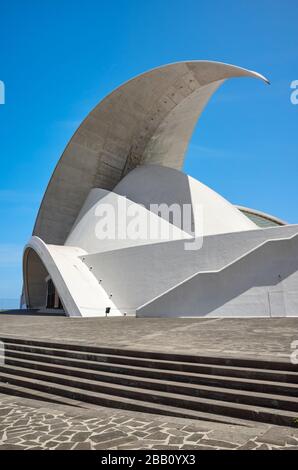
x,y
60,58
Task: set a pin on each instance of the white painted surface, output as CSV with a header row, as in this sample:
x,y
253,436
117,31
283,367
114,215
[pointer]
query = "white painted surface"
x,y
256,284
80,292
85,234
212,214
139,274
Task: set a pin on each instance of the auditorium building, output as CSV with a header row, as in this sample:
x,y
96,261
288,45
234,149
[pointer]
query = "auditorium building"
x,y
122,231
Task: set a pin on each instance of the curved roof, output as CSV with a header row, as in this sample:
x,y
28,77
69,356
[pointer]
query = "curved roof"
x,y
149,119
262,219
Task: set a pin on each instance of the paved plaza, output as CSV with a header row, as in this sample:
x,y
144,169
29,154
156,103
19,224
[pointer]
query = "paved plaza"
x,y
268,338
30,424
33,424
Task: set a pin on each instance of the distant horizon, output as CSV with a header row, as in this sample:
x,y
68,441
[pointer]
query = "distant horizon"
x,y
9,304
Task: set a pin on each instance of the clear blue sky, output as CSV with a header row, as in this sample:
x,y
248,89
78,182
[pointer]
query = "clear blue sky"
x,y
60,57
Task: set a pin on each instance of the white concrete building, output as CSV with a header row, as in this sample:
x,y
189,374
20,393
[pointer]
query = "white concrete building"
x,y
122,230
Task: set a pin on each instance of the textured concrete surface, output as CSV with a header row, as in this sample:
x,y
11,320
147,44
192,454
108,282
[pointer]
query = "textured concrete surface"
x,y
149,119
248,337
30,424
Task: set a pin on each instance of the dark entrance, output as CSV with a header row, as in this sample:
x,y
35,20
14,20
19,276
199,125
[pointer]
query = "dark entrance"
x,y
53,300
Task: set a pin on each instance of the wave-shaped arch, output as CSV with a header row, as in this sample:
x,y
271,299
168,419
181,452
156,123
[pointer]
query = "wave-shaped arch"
x,y
149,119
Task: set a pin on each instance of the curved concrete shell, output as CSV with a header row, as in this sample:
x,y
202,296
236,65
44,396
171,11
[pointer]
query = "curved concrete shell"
x,y
149,119
125,158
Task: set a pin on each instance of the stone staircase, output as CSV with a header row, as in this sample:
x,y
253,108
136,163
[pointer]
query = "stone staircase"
x,y
35,312
227,390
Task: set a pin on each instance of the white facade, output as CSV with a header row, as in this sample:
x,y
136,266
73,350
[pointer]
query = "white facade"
x,y
105,242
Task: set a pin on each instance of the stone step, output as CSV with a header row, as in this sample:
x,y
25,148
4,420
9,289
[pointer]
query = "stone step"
x,y
159,409
105,374
15,390
127,397
280,364
34,312
162,383
97,360
97,381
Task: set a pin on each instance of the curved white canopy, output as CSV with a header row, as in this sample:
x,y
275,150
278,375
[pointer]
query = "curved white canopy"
x,y
149,119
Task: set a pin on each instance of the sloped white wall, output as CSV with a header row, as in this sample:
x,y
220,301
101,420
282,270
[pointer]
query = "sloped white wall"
x,y
84,233
137,275
211,213
262,283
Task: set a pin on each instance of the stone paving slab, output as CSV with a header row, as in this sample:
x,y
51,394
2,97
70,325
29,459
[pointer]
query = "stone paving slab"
x,y
262,338
32,424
